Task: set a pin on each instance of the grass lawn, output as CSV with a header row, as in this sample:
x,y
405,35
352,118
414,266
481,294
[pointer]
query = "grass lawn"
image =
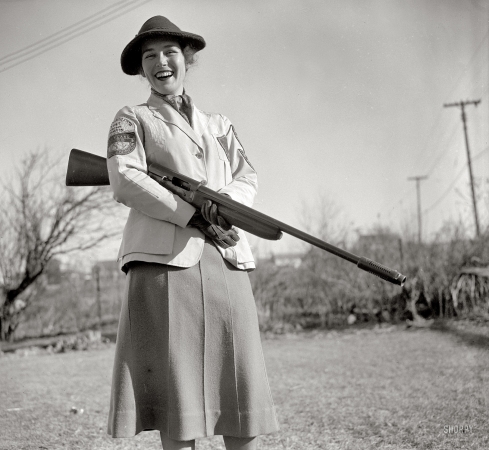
x,y
371,389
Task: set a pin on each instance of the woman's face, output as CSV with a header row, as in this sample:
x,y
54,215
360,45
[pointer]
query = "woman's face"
x,y
163,65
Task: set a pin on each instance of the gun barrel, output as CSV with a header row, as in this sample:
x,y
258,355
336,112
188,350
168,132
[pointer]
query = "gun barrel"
x,y
381,271
86,169
393,276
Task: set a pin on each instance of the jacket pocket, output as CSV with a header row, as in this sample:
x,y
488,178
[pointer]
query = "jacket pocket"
x,y
143,234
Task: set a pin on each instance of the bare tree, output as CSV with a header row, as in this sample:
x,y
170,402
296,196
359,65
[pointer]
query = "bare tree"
x,y
41,218
322,217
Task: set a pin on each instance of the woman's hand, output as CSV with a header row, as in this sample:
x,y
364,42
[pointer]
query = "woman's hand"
x,y
182,193
209,210
222,237
211,214
208,219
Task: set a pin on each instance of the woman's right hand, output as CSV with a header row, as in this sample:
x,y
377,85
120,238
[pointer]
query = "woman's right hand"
x,y
208,219
208,210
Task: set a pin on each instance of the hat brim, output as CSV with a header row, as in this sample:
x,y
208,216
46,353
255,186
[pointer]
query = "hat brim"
x,y
131,55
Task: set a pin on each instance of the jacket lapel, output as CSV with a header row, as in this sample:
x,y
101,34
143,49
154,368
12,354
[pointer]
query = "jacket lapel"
x,y
200,121
163,111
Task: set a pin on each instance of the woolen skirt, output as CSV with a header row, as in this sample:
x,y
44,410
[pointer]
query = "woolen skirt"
x,y
189,359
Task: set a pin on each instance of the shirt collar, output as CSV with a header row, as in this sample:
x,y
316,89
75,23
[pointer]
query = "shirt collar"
x,y
181,103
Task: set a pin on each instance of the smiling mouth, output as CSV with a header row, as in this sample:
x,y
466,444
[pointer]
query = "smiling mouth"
x,y
164,74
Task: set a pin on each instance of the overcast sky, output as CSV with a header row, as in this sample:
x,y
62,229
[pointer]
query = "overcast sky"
x,y
341,99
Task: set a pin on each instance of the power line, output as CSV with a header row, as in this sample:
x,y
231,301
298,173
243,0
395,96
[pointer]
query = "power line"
x,y
448,189
398,200
430,135
68,30
430,171
73,36
59,41
455,85
443,153
446,192
480,153
408,193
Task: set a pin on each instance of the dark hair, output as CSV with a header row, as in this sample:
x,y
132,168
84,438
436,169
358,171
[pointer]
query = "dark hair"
x,y
190,55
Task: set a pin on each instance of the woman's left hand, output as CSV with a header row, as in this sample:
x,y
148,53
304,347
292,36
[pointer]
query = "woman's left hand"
x,y
211,214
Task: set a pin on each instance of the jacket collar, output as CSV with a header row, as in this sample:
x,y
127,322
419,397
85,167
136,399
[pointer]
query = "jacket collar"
x,y
164,111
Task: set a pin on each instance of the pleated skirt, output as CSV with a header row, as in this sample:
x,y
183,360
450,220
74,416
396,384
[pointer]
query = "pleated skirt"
x,y
189,359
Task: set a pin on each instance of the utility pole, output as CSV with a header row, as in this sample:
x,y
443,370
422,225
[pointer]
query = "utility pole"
x,y
418,179
98,299
462,105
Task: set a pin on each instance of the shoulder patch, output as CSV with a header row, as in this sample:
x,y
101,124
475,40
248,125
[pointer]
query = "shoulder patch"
x,y
122,137
241,148
122,125
224,144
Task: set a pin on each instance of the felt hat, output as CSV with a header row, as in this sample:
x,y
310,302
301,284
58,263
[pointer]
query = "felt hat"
x,y
157,26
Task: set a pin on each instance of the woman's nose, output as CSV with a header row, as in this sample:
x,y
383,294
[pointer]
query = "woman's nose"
x,y
162,59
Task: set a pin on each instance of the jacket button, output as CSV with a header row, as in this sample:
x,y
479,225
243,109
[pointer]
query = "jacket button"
x,y
203,182
198,155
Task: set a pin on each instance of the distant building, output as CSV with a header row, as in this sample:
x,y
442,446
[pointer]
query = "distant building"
x,y
378,240
53,273
287,259
108,270
387,246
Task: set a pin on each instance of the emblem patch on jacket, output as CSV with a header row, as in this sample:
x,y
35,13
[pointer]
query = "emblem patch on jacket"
x,y
122,137
224,144
241,148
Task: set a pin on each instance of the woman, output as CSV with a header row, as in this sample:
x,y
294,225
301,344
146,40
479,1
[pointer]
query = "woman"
x,y
188,361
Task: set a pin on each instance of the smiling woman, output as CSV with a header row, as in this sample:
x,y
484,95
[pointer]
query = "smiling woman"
x,y
189,361
164,66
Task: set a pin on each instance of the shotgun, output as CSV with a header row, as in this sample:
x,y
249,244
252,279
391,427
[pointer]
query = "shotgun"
x,y
86,169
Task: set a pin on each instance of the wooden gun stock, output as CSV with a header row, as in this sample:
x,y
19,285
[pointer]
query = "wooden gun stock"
x,y
85,169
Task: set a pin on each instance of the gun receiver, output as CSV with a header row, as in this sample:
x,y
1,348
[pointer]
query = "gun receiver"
x,y
86,169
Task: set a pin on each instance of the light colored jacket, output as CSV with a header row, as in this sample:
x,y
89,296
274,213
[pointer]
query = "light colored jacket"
x,y
156,229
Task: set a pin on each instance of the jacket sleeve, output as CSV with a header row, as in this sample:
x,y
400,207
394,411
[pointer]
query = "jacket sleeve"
x,y
244,185
132,186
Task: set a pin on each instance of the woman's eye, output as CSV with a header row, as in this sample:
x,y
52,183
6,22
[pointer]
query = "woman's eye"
x,y
150,55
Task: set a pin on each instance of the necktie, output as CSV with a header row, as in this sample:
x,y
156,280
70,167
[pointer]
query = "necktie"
x,y
182,103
